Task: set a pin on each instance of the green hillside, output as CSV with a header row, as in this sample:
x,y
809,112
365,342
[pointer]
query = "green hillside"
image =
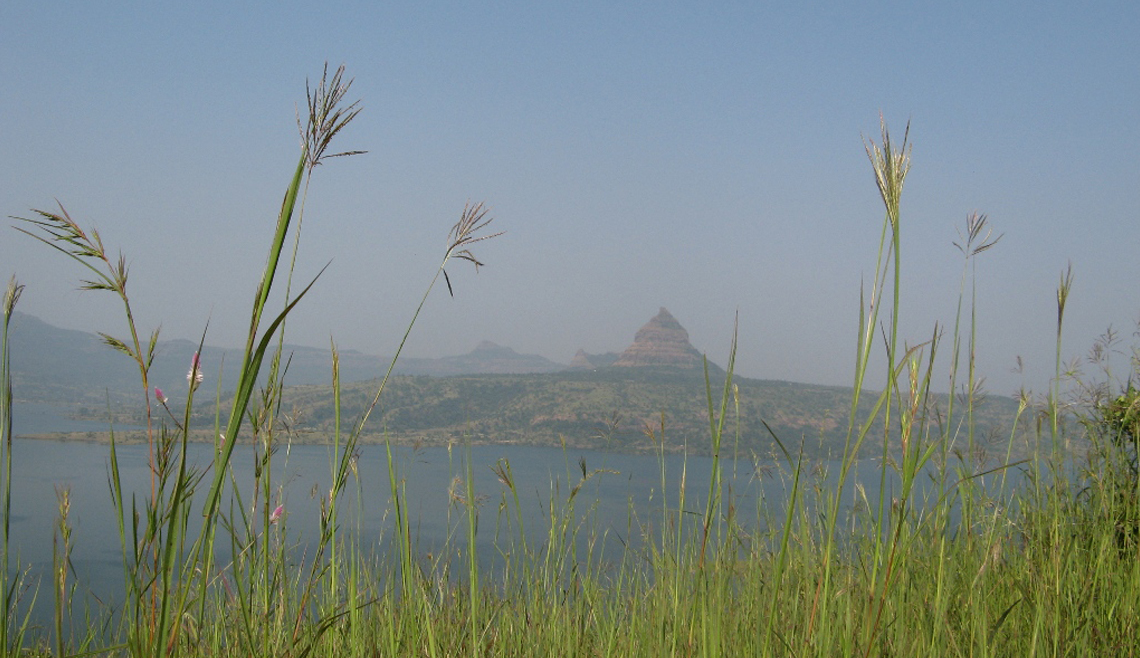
x,y
609,408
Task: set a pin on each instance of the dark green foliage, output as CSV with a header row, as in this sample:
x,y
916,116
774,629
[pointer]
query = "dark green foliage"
x,y
1113,425
1120,422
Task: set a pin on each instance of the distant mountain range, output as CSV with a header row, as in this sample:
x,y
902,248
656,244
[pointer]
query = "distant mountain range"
x,y
50,364
491,394
54,364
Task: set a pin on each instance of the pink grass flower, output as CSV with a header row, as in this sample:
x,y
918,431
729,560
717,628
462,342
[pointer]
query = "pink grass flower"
x,y
195,377
162,399
275,516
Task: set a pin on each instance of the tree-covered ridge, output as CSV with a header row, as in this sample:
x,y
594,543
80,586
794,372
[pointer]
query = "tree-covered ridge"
x,y
610,408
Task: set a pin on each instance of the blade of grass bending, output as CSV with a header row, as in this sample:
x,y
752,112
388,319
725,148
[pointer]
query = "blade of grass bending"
x,y
782,561
716,429
246,382
283,220
779,443
120,510
1000,621
251,359
241,400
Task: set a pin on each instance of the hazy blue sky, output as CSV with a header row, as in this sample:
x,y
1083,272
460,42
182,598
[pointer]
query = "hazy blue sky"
x,y
705,157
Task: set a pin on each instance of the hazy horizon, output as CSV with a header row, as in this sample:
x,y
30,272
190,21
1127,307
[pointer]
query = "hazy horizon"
x,y
705,159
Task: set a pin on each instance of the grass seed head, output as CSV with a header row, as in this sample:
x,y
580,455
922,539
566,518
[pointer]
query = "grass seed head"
x,y
326,118
890,165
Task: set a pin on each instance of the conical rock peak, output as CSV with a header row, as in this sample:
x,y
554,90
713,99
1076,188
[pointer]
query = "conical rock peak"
x,y
661,342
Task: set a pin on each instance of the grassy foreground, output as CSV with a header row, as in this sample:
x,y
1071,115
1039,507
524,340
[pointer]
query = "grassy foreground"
x,y
955,561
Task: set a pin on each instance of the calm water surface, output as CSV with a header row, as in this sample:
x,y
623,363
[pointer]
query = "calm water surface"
x,y
623,490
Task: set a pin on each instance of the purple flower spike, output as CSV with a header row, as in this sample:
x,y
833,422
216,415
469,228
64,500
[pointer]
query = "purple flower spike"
x,y
159,396
275,516
194,377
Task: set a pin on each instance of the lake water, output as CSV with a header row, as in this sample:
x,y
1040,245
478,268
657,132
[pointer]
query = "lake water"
x,y
623,489
618,484
42,418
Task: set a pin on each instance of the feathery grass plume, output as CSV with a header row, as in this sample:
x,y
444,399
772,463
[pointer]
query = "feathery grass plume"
x,y
890,166
327,116
1063,289
463,235
973,242
12,296
60,232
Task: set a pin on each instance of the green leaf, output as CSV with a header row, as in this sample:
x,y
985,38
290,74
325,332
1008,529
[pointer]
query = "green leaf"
x,y
151,346
116,344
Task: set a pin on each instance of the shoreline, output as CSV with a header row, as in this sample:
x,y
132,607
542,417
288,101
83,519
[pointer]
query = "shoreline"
x,y
138,437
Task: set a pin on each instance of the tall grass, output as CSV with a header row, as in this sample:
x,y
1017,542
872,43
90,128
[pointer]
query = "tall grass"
x,y
949,557
13,628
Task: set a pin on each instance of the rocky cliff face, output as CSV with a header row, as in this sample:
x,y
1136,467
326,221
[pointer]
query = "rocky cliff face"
x,y
661,342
